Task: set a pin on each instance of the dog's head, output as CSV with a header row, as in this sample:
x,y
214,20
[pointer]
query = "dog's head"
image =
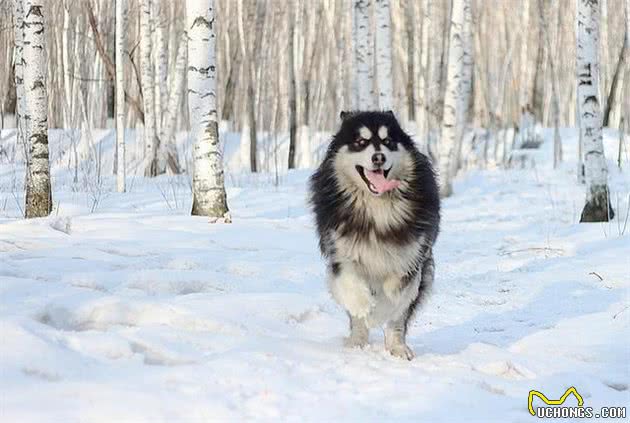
x,y
371,150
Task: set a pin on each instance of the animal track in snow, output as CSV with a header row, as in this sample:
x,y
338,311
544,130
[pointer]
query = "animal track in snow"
x,y
155,357
41,374
507,370
106,315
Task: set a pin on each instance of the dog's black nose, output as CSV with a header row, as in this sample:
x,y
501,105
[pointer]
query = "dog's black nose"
x,y
378,159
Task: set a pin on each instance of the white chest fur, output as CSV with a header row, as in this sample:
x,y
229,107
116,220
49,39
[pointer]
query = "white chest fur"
x,y
369,283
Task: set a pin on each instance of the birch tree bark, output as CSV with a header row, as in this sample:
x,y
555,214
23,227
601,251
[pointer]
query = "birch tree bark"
x,y
67,70
151,143
160,61
457,96
20,106
423,82
176,92
410,25
384,55
524,62
597,207
38,191
363,85
121,13
555,95
209,197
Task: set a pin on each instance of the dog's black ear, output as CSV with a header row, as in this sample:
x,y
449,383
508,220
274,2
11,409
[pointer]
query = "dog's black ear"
x,y
389,112
344,115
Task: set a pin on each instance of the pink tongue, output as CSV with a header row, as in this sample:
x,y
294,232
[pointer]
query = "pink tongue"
x,y
380,184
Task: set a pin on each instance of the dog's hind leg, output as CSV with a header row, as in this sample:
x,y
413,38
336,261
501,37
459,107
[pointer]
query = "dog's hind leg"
x,y
359,333
396,330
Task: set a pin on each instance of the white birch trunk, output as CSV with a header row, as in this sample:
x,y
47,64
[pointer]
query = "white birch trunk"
x,y
150,139
457,96
167,136
524,62
209,197
597,207
20,107
161,63
67,69
121,13
423,83
38,192
384,55
555,96
363,85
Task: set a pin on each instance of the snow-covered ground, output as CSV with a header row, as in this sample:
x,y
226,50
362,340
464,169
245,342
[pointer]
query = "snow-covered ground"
x,y
122,308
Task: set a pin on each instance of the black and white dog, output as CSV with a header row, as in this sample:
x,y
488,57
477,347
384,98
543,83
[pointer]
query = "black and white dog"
x,y
377,209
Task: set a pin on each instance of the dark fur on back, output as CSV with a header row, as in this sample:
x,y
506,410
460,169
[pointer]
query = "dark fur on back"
x,y
330,202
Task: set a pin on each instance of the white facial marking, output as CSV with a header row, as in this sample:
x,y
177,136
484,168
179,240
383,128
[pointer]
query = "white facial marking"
x,y
365,133
382,132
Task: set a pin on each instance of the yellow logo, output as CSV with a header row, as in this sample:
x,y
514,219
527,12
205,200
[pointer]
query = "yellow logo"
x,y
547,401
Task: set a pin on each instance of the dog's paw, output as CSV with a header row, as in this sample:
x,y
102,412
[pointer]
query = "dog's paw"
x,y
355,341
402,351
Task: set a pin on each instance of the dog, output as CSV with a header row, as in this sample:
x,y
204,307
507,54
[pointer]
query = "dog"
x,y
377,210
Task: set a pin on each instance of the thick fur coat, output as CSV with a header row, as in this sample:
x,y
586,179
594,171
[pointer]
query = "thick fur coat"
x,y
377,209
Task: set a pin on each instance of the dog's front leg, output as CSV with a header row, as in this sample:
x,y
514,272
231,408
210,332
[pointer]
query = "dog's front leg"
x,y
350,290
359,333
395,333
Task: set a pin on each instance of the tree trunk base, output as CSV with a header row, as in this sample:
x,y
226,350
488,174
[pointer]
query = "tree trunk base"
x,y
217,210
38,204
598,208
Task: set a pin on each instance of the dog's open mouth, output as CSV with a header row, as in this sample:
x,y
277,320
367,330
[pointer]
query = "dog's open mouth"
x,y
376,180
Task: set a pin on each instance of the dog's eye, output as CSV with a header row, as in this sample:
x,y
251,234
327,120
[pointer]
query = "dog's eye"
x,y
387,141
361,142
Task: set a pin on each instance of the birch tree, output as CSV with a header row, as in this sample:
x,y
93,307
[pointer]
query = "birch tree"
x,y
555,96
176,92
384,55
151,143
457,96
20,106
292,91
121,12
410,26
209,197
38,191
363,84
597,207
423,82
160,59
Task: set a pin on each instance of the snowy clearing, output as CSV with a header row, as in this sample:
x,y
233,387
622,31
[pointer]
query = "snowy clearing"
x,y
139,312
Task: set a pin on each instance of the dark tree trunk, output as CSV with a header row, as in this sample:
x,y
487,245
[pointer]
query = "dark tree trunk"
x,y
612,94
292,99
598,209
230,86
251,117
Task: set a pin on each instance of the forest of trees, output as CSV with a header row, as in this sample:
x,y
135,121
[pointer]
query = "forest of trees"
x,y
444,67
